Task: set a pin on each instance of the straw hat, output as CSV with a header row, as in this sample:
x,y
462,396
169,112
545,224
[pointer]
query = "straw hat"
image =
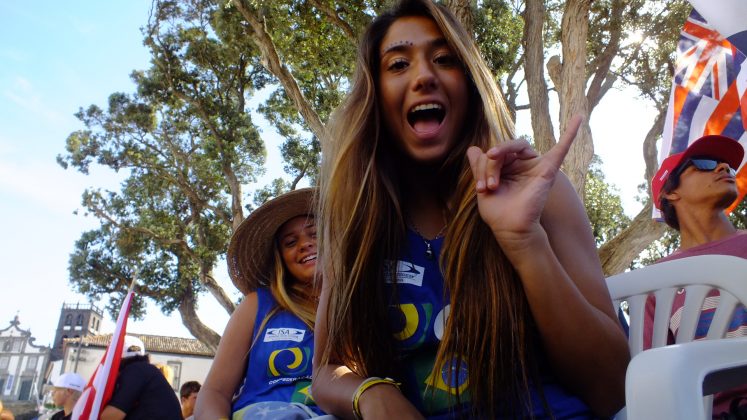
x,y
249,255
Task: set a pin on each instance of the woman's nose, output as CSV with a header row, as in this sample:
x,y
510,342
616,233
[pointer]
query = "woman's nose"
x,y
425,78
306,243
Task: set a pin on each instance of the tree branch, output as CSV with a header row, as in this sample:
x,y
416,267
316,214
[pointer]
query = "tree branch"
x,y
603,62
336,20
272,63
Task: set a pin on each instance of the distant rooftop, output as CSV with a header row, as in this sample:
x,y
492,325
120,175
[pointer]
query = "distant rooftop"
x,y
83,306
153,344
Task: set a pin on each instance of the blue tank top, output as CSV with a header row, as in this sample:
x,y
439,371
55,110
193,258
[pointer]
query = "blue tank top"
x,y
418,320
279,366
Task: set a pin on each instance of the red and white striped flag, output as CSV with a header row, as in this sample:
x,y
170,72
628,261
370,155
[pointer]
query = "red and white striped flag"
x,y
100,387
708,91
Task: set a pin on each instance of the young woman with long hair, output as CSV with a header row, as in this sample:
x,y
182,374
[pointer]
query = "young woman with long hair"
x,y
263,362
460,272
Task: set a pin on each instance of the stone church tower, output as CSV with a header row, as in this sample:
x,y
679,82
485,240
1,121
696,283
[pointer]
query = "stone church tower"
x,y
76,320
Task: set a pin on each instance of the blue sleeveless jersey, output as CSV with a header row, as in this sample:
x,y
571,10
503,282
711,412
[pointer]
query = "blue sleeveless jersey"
x,y
418,320
279,366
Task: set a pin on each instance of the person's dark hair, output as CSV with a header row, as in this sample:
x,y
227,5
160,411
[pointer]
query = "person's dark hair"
x,y
133,359
667,209
189,388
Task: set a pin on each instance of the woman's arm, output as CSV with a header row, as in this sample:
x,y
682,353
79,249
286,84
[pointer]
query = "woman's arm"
x,y
229,365
541,225
111,412
568,297
333,384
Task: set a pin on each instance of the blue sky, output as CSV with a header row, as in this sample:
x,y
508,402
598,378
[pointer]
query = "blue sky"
x,y
56,57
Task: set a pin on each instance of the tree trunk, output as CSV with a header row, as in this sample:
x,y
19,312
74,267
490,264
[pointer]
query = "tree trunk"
x,y
572,90
534,63
462,9
190,320
617,254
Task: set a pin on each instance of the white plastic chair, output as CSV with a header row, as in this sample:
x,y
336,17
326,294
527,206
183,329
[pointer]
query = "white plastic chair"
x,y
667,382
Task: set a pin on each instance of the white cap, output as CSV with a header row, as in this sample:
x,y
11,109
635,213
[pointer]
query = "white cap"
x,y
70,380
133,346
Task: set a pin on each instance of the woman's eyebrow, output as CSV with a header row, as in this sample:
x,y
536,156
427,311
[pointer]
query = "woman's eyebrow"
x,y
397,46
404,44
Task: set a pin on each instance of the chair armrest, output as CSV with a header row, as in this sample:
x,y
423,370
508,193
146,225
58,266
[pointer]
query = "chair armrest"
x,y
668,382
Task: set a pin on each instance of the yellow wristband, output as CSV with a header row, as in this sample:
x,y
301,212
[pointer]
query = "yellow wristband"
x,y
366,384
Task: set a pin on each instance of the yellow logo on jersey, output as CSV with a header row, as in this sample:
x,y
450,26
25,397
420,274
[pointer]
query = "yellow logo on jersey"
x,y
298,358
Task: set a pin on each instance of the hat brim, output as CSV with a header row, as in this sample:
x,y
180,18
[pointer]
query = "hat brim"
x,y
716,146
249,255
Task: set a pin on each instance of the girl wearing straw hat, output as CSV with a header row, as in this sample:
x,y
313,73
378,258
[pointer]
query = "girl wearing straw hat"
x,y
263,362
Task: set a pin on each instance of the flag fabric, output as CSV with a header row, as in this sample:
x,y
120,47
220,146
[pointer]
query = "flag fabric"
x,y
708,93
100,387
728,17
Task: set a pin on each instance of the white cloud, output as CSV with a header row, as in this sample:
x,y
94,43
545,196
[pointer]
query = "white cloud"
x,y
23,94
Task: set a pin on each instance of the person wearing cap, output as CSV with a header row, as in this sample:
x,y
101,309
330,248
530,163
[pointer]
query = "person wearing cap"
x,y
66,391
141,390
265,355
692,189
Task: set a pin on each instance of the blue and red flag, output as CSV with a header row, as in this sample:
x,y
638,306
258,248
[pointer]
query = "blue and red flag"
x,y
728,17
708,92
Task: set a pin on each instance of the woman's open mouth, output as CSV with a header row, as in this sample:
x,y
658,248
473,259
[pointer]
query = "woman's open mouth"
x,y
426,118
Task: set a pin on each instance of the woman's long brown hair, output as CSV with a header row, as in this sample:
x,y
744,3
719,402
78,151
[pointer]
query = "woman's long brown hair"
x,y
362,225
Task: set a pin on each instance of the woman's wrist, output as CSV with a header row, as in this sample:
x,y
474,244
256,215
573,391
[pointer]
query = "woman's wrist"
x,y
371,387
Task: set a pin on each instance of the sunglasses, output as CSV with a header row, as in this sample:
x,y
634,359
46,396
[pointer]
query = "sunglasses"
x,y
705,164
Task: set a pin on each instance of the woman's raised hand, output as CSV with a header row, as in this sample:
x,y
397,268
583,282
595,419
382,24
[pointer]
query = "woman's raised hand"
x,y
513,183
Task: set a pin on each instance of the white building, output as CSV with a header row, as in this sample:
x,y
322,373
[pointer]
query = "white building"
x,y
189,359
22,364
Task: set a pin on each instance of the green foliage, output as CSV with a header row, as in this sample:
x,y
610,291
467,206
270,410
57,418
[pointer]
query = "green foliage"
x,y
498,32
739,215
187,143
658,249
647,59
603,205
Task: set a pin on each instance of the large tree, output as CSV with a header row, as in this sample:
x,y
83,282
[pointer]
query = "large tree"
x,y
188,147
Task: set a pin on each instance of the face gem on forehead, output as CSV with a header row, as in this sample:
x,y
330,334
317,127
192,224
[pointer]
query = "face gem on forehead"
x,y
396,44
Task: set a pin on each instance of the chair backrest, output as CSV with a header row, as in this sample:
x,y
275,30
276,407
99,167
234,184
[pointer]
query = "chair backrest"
x,y
697,275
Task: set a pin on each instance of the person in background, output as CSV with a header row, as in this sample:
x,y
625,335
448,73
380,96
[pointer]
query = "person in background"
x,y
460,274
66,391
264,359
188,397
692,189
5,414
141,390
167,372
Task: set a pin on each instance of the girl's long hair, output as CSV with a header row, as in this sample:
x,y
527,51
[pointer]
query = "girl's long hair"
x,y
362,226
